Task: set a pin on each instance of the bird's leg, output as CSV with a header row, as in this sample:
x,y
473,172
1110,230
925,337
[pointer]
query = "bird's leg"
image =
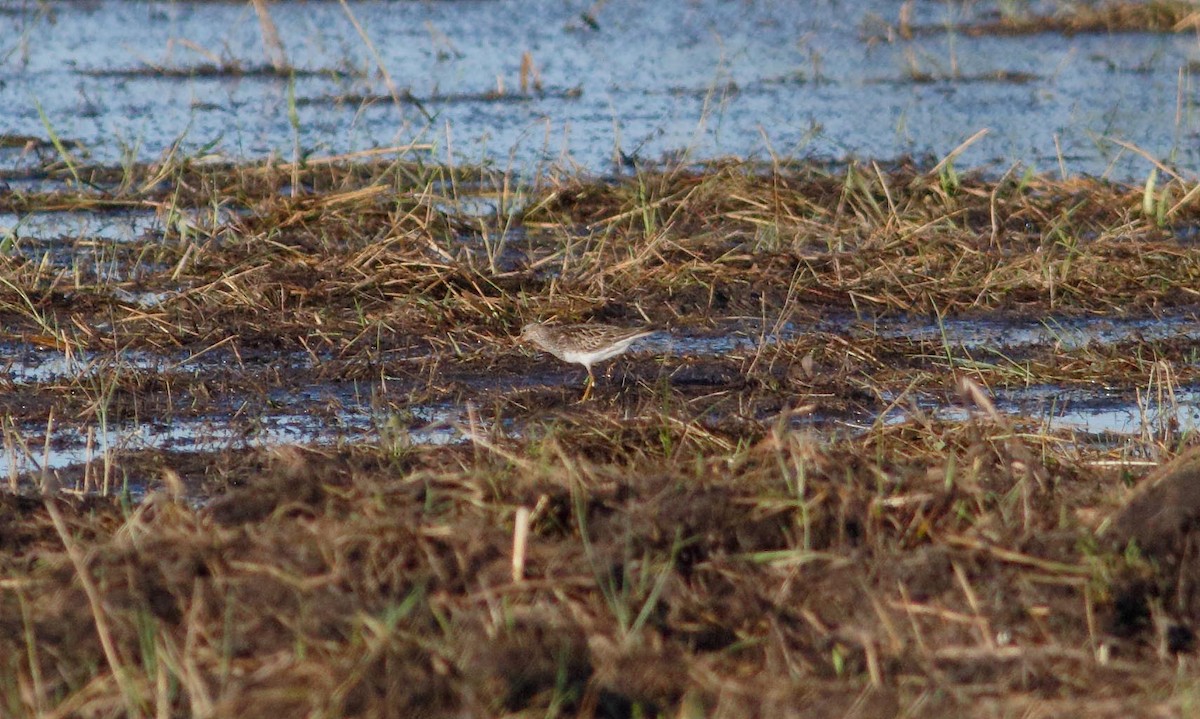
x,y
591,382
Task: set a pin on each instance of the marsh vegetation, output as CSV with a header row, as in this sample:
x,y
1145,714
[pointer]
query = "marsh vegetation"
x,y
803,501
273,448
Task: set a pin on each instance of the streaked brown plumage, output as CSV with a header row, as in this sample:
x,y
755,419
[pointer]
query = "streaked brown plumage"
x,y
584,344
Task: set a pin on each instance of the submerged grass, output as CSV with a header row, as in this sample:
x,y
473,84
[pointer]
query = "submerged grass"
x,y
683,545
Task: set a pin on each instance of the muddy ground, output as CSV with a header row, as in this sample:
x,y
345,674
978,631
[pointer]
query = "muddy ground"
x,y
800,499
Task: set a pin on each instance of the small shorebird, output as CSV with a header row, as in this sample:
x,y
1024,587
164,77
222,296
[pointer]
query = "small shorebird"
x,y
584,344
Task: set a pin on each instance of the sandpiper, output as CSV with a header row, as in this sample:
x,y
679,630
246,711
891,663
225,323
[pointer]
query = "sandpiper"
x,y
584,344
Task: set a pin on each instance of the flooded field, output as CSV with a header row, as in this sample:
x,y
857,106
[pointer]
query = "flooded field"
x,y
904,440
522,85
927,392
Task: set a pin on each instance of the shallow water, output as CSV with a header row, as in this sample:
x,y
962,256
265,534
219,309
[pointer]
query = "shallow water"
x,y
98,444
988,334
329,413
1108,416
123,226
1105,416
648,80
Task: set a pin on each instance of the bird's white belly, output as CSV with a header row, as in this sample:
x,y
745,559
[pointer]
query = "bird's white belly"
x,y
589,358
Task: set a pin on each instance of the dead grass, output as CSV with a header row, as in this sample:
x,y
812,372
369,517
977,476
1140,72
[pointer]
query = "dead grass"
x,y
684,545
738,575
364,247
1073,18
